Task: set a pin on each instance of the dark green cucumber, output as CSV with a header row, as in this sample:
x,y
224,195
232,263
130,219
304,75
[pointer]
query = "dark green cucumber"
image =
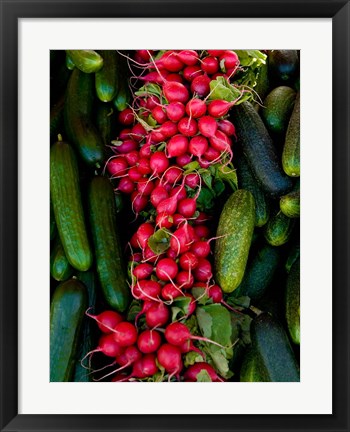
x,y
68,305
87,61
291,149
106,79
283,64
293,302
56,119
262,82
123,97
69,62
278,229
260,151
105,121
290,204
247,181
60,268
109,254
275,359
236,226
78,112
87,340
259,273
278,107
52,222
293,255
249,370
67,205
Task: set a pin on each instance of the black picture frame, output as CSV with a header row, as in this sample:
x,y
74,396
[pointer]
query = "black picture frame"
x,y
11,11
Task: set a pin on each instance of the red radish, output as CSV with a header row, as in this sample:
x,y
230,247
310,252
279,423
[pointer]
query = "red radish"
x,y
145,306
143,233
163,220
183,160
203,272
155,77
132,157
156,136
136,257
188,346
146,290
187,127
143,166
175,92
203,163
228,60
193,371
143,271
146,151
221,142
215,293
192,305
191,72
169,357
171,254
200,85
145,54
172,175
207,126
117,166
174,77
134,243
149,341
126,146
177,146
170,61
167,206
166,269
145,367
210,65
139,202
212,154
188,57
188,261
202,217
215,53
198,145
107,345
184,279
134,174
157,315
202,231
159,114
145,187
192,180
126,117
170,292
196,108
177,334
219,108
106,320
138,132
126,185
178,219
149,255
158,195
168,129
159,162
181,239
187,207
179,191
125,334
227,127
124,134
152,101
175,111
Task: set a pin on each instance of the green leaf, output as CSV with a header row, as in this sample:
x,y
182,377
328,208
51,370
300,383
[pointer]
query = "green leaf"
x,y
228,174
207,178
199,293
203,376
219,187
191,358
134,309
180,307
205,200
215,323
159,242
192,166
221,89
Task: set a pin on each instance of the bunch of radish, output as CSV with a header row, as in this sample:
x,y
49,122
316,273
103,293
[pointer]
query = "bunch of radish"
x,y
171,123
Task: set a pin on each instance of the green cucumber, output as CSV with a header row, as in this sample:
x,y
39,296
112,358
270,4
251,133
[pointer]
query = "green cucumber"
x,y
67,205
293,255
291,149
105,121
247,181
87,340
278,229
260,150
52,222
236,227
293,302
106,79
123,97
290,204
259,273
249,370
274,358
56,118
283,65
69,62
87,61
109,254
77,118
60,268
67,311
262,82
278,107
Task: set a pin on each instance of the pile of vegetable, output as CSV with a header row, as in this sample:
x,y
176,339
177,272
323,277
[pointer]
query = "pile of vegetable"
x,y
175,215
